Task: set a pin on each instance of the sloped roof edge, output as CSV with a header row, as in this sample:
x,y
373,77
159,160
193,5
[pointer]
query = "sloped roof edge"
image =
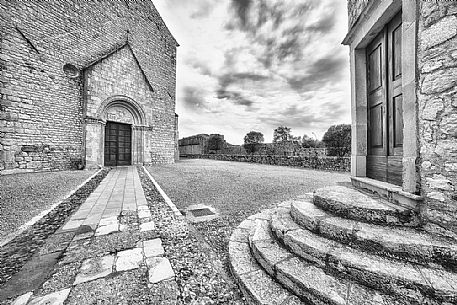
x,y
114,50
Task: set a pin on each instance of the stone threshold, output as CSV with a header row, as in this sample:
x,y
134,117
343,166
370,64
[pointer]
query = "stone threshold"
x,y
393,193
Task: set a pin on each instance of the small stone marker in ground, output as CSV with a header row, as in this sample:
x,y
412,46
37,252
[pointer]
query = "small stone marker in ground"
x,y
200,213
129,259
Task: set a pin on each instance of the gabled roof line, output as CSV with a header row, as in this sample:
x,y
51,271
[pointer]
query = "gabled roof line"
x,y
111,52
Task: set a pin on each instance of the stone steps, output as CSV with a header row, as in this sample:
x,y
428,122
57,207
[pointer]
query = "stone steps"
x,y
398,242
257,286
352,204
410,281
342,247
304,278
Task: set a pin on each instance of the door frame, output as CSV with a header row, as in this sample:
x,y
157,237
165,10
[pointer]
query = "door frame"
x,y
375,17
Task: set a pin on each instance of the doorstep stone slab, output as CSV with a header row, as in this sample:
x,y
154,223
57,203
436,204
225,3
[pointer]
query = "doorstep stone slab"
x,y
94,268
153,247
159,269
129,259
56,298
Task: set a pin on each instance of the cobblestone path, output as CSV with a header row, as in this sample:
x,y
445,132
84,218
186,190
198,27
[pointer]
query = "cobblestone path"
x,y
107,252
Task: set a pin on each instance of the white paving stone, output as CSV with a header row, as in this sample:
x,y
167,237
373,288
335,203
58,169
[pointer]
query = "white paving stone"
x,y
147,226
159,269
143,208
108,221
153,247
144,214
56,298
104,230
129,259
95,268
22,299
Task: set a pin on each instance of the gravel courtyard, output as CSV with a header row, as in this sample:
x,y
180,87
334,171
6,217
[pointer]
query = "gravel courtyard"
x,y
24,196
236,190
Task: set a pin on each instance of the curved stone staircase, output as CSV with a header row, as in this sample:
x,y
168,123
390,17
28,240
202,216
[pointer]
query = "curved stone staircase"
x,y
342,247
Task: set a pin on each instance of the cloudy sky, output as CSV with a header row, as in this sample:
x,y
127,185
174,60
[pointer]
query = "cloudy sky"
x,y
247,65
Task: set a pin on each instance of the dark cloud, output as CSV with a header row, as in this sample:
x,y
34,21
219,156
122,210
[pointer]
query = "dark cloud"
x,y
321,72
228,79
235,97
242,10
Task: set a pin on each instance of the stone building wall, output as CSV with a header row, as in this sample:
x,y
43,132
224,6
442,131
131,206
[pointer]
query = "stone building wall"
x,y
41,109
355,9
437,97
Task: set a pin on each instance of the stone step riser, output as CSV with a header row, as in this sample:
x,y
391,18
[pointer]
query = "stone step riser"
x,y
389,276
351,204
307,280
351,233
256,285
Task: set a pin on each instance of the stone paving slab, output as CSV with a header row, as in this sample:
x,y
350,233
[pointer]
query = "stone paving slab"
x,y
108,243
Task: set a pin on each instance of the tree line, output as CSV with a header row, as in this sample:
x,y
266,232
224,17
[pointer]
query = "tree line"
x,y
337,139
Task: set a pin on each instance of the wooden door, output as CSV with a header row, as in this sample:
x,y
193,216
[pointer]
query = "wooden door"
x,y
118,147
384,107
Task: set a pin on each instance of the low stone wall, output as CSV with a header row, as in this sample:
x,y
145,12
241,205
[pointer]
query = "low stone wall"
x,y
322,163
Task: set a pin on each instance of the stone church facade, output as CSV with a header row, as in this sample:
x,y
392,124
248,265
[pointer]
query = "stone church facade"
x,y
85,84
403,57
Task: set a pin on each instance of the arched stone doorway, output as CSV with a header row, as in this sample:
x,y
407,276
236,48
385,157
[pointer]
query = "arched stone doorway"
x,y
116,135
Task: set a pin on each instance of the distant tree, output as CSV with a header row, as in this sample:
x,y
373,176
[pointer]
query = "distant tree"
x,y
252,141
282,134
215,142
337,139
308,142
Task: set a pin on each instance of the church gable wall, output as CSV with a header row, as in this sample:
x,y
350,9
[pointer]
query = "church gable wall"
x,y
41,109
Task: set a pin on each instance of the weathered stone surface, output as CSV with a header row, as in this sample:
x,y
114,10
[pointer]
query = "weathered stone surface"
x,y
240,258
438,33
349,203
268,253
159,269
439,81
56,298
147,226
153,247
240,235
440,182
371,270
263,289
95,268
282,223
260,231
407,243
321,288
108,229
307,214
431,109
129,259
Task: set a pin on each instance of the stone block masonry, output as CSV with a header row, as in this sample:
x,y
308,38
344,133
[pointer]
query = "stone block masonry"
x,y
45,111
437,97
